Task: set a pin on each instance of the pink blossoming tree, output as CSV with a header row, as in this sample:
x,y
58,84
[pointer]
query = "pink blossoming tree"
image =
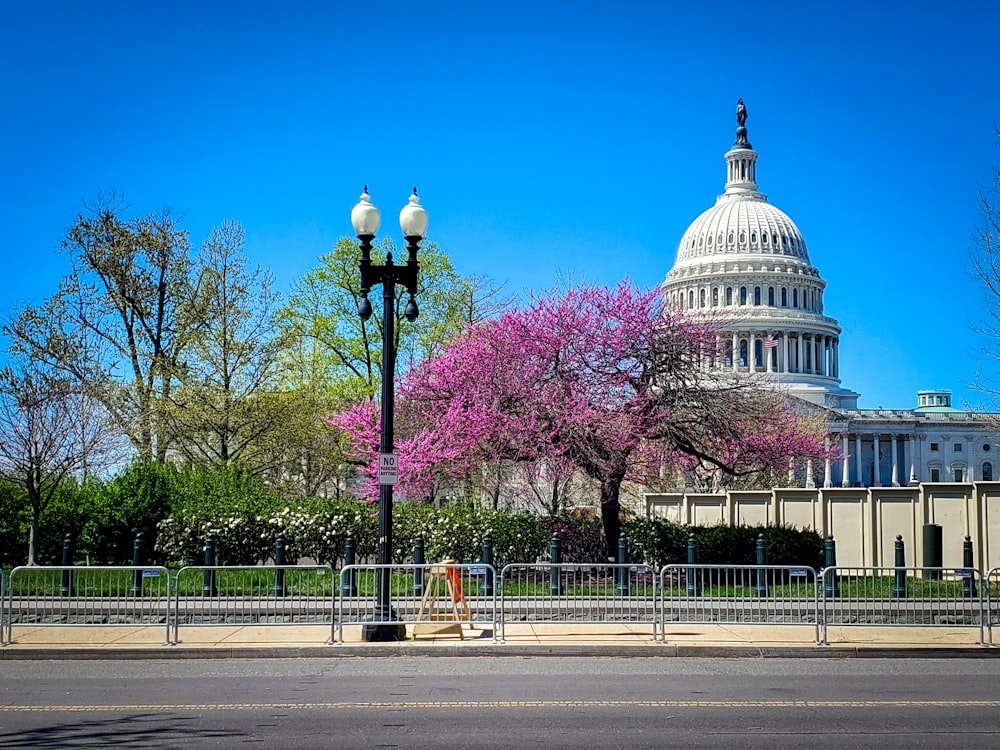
x,y
603,379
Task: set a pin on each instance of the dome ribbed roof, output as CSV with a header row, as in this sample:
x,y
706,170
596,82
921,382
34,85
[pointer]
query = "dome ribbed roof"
x,y
740,225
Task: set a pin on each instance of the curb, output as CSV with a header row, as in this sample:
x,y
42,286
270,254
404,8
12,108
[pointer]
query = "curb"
x,y
328,651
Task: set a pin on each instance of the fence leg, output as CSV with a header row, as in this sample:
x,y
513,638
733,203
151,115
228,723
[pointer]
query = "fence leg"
x,y
348,586
555,572
969,581
279,572
693,576
623,586
487,588
762,589
208,579
66,587
418,560
831,581
138,558
899,589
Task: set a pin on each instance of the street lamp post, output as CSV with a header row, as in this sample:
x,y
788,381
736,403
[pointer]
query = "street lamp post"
x,y
413,221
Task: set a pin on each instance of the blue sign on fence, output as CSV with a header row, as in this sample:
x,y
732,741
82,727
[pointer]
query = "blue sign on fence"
x,y
799,572
150,574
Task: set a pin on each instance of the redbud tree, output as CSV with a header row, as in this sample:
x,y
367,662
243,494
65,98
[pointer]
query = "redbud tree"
x,y
604,379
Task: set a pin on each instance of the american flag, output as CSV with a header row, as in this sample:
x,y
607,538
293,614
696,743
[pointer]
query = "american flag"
x,y
772,343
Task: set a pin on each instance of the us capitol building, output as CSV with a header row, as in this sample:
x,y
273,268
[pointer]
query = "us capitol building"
x,y
744,265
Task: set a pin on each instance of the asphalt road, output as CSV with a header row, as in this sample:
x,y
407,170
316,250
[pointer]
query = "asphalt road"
x,y
506,702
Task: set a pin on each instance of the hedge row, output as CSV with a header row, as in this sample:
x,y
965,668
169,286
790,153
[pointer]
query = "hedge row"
x,y
178,509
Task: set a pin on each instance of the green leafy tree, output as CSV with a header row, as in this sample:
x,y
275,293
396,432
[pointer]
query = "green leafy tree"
x,y
50,431
114,326
224,408
323,308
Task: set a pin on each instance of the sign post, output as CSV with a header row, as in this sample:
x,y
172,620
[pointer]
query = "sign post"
x,y
388,468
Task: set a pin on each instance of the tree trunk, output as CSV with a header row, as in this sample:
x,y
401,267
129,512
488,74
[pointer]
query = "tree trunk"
x,y
33,536
610,511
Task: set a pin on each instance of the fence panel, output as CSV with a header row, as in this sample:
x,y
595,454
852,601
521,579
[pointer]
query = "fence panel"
x,y
902,597
429,594
744,594
584,593
992,604
220,595
88,595
4,611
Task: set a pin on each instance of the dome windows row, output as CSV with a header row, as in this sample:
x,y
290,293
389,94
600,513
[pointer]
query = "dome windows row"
x,y
767,242
796,298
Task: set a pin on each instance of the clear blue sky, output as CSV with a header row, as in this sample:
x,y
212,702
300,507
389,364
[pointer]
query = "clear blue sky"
x,y
548,139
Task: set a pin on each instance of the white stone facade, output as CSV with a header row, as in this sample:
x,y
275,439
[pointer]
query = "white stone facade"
x,y
744,265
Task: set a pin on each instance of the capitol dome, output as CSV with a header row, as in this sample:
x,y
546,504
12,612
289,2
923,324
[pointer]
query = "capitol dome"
x,y
744,264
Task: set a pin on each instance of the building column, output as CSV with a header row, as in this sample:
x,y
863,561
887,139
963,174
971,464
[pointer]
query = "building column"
x,y
810,479
783,366
845,480
736,351
895,461
912,459
876,468
827,464
791,472
752,351
798,353
857,460
767,353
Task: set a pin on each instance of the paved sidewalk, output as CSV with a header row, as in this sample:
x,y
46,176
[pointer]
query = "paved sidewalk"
x,y
566,639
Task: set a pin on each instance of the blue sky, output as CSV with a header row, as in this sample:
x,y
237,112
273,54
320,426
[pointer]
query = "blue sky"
x,y
548,140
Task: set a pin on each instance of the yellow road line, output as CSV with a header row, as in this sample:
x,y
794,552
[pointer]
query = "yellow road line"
x,y
161,708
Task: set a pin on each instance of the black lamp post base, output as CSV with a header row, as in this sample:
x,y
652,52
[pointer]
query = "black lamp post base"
x,y
381,632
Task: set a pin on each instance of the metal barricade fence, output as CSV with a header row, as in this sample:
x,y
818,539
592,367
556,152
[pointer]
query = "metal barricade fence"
x,y
583,593
219,595
91,595
4,613
902,597
739,594
432,593
992,603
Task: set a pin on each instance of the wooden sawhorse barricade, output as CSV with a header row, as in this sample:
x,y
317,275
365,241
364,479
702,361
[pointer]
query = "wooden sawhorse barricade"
x,y
443,607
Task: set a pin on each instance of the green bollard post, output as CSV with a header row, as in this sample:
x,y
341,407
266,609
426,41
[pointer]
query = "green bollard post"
x,y
693,575
831,581
487,586
555,572
138,558
66,585
279,572
208,587
969,579
762,588
418,559
624,585
348,582
899,587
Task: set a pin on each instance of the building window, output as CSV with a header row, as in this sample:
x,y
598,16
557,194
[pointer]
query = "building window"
x,y
770,293
691,298
957,447
743,295
987,472
986,447
795,298
715,296
756,295
701,298
935,475
729,295
784,297
959,474
743,353
934,446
